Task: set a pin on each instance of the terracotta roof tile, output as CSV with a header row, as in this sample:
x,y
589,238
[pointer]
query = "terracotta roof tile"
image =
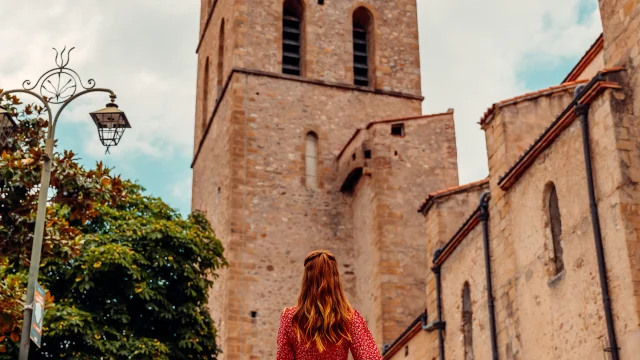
x,y
428,202
535,94
469,224
586,59
406,336
528,96
553,131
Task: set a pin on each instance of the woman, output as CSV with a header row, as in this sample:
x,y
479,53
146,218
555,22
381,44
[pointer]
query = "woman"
x,y
323,326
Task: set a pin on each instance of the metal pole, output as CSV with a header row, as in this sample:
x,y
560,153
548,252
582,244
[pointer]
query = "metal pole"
x,y
45,178
436,271
36,249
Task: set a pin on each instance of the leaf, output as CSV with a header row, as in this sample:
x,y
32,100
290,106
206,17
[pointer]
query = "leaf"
x,y
116,262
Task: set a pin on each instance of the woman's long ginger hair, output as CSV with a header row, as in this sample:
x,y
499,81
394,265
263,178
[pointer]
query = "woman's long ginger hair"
x,y
323,313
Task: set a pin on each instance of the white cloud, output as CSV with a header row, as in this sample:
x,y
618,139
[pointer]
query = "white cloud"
x,y
181,189
144,50
472,51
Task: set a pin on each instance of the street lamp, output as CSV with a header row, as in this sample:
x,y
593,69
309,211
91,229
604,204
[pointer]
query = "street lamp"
x,y
57,86
7,127
111,123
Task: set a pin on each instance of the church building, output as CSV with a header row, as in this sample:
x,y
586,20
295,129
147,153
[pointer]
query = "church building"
x,y
309,134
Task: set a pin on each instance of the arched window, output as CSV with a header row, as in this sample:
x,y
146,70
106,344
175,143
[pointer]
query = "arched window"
x,y
205,94
292,37
311,156
556,228
220,60
467,322
363,47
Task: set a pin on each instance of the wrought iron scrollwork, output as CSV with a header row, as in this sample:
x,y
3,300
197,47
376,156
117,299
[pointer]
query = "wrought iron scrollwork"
x,y
61,83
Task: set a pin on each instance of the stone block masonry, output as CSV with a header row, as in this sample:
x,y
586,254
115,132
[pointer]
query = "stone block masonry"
x,y
250,160
286,164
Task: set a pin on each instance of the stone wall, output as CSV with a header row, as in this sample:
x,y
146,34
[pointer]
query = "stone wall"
x,y
212,193
445,216
470,252
404,169
208,51
621,24
418,348
564,311
534,305
270,220
506,140
249,176
328,38
517,122
592,69
368,289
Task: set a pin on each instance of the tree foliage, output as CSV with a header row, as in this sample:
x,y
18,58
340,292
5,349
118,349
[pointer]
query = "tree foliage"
x,y
128,276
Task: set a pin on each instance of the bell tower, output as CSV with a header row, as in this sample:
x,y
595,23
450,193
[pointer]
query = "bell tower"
x,y
282,87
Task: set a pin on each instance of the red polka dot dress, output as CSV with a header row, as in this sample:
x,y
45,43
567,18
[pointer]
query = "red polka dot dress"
x,y
362,344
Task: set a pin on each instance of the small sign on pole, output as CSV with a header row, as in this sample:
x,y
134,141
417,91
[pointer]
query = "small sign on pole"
x,y
37,315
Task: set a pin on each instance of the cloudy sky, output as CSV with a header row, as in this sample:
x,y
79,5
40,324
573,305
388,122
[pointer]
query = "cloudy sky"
x,y
474,53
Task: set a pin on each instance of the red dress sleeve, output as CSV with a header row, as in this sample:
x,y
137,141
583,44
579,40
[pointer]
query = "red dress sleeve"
x,y
285,347
363,346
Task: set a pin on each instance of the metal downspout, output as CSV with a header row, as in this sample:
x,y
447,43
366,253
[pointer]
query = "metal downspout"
x,y
582,110
440,325
484,217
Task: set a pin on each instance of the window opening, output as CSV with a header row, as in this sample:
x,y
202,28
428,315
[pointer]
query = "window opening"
x,y
311,155
556,229
467,322
362,47
397,129
205,95
220,60
292,38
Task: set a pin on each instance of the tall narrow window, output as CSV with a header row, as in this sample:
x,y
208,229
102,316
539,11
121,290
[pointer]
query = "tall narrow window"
x,y
362,47
556,229
292,37
467,322
220,60
311,154
205,94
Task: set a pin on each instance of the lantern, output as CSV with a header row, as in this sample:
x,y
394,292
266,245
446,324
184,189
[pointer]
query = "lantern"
x,y
111,123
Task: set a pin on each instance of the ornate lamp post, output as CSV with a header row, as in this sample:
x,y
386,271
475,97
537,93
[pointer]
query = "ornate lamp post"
x,y
57,86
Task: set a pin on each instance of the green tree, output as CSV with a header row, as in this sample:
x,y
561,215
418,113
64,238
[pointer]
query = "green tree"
x,y
128,276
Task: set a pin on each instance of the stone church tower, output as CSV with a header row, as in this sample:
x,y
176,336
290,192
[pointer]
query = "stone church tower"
x,y
308,135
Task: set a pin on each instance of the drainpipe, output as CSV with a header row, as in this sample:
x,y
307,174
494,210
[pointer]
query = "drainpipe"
x,y
484,217
582,110
440,325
